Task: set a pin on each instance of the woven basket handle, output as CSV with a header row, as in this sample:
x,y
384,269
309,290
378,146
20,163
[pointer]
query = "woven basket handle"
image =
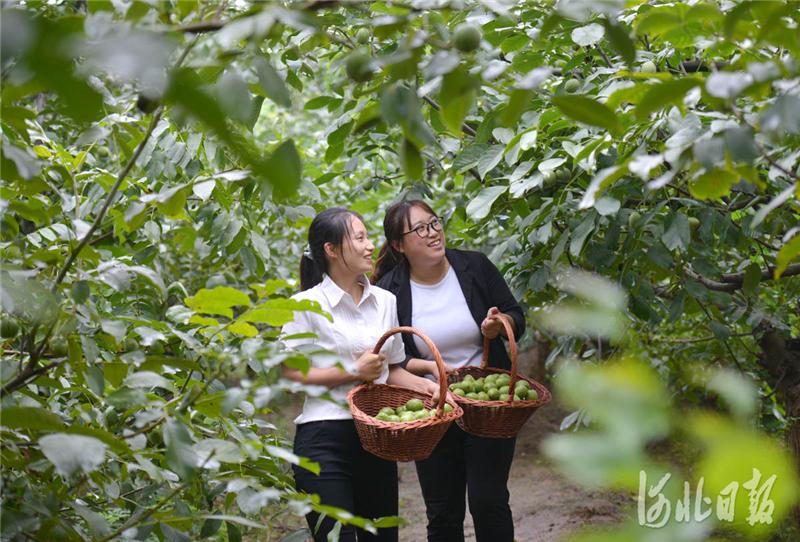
x,y
512,344
436,356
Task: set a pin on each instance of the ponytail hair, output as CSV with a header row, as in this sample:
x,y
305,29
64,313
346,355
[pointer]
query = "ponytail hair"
x,y
330,226
396,221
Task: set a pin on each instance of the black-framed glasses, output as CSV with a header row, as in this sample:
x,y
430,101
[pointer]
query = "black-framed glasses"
x,y
423,230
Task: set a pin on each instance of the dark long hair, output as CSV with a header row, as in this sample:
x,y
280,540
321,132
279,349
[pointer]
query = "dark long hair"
x,y
395,222
330,226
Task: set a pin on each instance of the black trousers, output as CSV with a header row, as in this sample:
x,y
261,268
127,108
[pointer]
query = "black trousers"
x,y
350,478
463,463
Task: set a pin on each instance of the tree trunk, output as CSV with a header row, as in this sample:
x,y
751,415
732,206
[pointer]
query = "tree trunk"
x,y
780,357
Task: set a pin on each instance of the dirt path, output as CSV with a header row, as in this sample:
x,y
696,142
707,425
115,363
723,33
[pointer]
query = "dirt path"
x,y
544,504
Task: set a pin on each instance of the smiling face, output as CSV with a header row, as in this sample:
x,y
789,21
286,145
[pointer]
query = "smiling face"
x,y
427,250
356,251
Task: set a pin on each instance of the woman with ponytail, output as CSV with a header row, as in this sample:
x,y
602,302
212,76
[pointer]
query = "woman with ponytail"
x,y
456,297
333,273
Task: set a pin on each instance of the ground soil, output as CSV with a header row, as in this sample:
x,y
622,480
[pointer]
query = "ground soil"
x,y
545,505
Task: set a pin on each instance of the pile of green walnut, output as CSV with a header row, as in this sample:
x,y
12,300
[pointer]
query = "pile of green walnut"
x,y
493,388
413,410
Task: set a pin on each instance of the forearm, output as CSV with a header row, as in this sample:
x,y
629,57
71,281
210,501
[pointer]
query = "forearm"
x,y
331,377
401,377
421,367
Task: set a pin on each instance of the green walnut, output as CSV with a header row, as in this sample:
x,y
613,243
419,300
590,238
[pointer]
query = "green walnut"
x,y
648,67
8,328
467,38
362,36
572,85
450,185
359,66
59,347
633,219
694,223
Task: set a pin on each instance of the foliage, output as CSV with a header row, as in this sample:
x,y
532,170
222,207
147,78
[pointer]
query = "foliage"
x,y
161,160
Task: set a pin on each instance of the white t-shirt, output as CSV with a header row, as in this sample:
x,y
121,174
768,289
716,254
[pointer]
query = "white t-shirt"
x,y
355,329
441,312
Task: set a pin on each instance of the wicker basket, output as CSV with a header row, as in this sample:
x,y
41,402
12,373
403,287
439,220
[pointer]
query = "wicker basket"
x,y
407,441
497,419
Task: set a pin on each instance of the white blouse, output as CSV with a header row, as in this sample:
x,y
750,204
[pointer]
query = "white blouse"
x,y
442,313
354,330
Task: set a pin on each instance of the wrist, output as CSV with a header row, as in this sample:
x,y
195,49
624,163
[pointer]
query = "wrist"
x,y
353,374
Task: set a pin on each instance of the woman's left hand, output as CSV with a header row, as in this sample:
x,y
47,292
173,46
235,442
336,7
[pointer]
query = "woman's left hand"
x,y
433,389
492,325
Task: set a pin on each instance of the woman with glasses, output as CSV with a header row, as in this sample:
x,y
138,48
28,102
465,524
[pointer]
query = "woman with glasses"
x,y
333,273
456,297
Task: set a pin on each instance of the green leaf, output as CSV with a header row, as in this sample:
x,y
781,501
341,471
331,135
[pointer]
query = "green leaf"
x,y
752,276
400,106
713,184
285,169
243,328
489,159
783,116
116,444
588,111
180,456
738,391
16,417
234,534
618,36
479,207
741,144
291,457
604,178
318,103
147,379
469,158
217,301
677,233
97,523
579,235
665,93
456,97
272,84
411,160
301,363
234,96
71,453
720,330
277,312
736,452
588,35
49,57
788,252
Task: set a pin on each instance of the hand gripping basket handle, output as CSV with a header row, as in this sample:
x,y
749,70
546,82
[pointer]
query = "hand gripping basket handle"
x,y
512,346
436,356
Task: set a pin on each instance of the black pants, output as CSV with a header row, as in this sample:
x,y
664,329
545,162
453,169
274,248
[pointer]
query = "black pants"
x,y
463,463
350,478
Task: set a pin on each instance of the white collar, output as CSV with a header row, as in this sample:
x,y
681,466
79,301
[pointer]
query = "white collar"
x,y
334,293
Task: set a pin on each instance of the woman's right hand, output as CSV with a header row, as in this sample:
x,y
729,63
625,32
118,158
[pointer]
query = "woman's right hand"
x,y
369,366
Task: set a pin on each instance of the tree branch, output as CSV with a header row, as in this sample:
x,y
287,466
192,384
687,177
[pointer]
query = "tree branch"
x,y
730,282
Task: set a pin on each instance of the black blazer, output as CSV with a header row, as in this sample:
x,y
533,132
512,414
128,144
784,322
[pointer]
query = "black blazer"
x,y
483,287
